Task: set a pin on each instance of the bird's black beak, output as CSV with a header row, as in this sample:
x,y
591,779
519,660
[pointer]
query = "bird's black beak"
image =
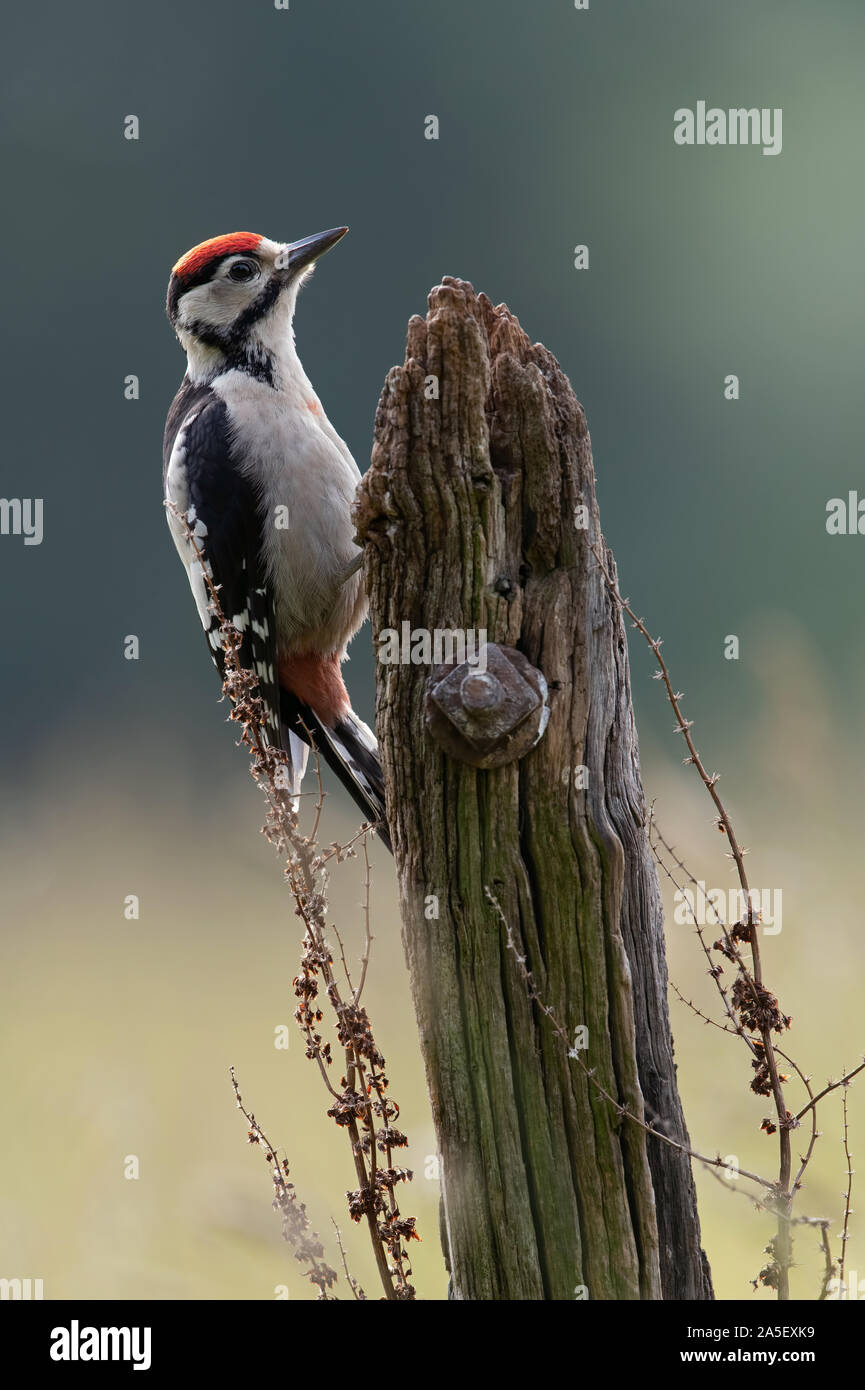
x,y
303,253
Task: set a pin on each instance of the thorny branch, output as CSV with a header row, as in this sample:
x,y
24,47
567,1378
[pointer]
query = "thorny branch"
x,y
757,1006
832,1086
848,1193
589,1072
655,837
355,1287
732,952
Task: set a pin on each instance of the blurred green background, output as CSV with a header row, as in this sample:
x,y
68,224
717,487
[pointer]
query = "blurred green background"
x,y
120,776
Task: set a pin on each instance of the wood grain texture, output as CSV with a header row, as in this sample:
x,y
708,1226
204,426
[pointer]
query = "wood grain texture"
x,y
467,516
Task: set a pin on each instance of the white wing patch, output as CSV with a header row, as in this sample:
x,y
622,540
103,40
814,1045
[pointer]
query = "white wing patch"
x,y
177,491
299,753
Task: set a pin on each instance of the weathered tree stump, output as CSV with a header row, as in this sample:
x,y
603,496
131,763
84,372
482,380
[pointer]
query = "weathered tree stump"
x,y
470,518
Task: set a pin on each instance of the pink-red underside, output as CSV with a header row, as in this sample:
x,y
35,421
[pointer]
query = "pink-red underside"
x,y
317,681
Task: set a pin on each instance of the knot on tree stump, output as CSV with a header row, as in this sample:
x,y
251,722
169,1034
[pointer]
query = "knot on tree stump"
x,y
487,712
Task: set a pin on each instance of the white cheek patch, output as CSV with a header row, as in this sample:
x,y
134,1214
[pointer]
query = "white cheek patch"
x,y
219,302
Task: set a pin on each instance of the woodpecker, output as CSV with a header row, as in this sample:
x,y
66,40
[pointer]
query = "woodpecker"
x,y
266,485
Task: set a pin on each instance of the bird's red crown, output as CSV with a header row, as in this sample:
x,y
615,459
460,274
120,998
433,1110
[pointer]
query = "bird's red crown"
x,y
212,249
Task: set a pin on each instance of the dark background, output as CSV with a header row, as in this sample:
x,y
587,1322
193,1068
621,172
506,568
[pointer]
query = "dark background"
x,y
556,128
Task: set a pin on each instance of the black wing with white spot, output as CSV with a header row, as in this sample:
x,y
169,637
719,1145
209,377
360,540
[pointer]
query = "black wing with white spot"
x,y
221,509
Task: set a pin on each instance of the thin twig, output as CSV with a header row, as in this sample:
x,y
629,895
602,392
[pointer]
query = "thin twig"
x,y
589,1072
845,1230
829,1265
732,948
367,947
755,984
352,1282
831,1086
295,1222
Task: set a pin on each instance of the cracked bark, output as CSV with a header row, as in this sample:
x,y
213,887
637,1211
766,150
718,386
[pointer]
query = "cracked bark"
x,y
468,520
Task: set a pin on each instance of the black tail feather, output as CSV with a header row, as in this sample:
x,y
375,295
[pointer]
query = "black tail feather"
x,y
350,751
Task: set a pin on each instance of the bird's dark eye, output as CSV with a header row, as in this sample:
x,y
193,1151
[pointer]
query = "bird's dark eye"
x,y
243,271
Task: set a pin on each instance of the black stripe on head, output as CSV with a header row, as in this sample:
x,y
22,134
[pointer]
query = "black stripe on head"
x,y
175,290
234,342
232,338
260,306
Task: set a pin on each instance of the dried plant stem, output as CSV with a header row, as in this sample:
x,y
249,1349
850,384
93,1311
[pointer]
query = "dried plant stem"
x,y
736,1028
354,1110
353,1284
815,1133
364,962
295,1222
589,1073
655,836
845,1230
364,1086
754,981
822,1221
829,1264
843,1080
